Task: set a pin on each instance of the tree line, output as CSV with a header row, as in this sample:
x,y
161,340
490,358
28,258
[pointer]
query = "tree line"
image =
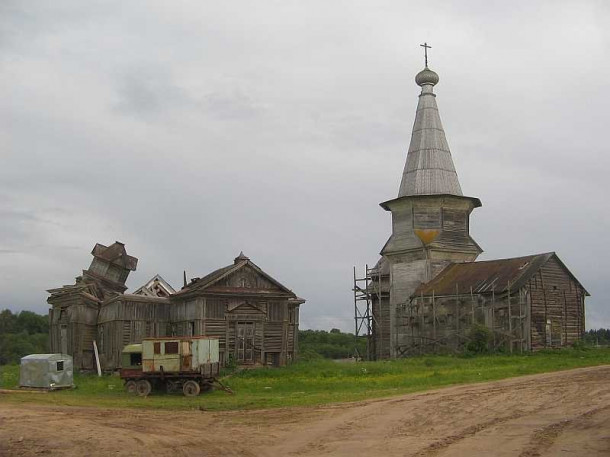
x,y
599,337
330,345
21,334
26,333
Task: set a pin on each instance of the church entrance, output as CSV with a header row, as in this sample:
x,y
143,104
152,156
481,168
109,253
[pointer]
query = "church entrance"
x,y
244,333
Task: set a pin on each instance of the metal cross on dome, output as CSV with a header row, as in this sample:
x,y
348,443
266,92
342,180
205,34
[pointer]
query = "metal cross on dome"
x,y
426,47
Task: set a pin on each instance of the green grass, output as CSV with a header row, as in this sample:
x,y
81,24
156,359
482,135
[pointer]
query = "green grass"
x,y
316,382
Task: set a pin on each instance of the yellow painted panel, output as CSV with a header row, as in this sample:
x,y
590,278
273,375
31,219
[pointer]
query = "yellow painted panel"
x,y
427,236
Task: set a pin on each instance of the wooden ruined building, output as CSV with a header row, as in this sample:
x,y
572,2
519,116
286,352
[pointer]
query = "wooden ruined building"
x,y
254,316
427,292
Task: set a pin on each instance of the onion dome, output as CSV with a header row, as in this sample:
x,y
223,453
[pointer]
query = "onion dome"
x,y
426,76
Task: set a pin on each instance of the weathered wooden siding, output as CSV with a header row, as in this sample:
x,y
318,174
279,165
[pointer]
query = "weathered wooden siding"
x,y
557,303
381,326
76,318
428,232
547,311
245,300
128,320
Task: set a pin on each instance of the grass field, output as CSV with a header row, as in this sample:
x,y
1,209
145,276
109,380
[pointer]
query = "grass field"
x,y
315,382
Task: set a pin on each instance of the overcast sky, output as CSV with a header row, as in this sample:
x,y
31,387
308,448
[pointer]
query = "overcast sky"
x,y
192,130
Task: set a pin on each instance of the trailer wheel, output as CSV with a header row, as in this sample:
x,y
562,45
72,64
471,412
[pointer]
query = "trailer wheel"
x,y
143,387
131,387
191,389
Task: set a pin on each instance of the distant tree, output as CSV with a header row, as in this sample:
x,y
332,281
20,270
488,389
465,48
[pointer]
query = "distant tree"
x,y
331,345
7,321
335,330
32,323
22,334
599,336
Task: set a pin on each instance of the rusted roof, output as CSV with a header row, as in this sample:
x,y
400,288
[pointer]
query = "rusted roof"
x,y
115,253
485,276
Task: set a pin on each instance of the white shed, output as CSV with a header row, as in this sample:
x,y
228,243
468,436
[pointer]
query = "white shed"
x,y
46,371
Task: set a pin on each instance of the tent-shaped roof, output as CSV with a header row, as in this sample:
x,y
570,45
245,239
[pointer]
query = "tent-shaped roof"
x,y
429,169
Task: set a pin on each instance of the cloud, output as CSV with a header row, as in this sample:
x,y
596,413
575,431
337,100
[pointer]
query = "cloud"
x,y
194,130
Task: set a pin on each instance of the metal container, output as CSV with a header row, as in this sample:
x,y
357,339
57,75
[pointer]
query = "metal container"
x,y
47,371
179,354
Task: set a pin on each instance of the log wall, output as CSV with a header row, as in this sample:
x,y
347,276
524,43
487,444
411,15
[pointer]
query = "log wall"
x,y
557,301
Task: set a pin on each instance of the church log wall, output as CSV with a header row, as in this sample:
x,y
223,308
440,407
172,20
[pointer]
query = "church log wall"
x,y
557,307
128,319
443,324
72,328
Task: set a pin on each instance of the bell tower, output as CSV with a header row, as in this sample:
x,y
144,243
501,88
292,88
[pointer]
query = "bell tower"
x,y
430,216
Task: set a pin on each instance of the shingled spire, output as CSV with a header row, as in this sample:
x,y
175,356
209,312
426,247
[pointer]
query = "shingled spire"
x,y
429,169
430,221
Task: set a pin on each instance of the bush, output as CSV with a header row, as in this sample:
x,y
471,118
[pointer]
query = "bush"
x,y
308,355
480,338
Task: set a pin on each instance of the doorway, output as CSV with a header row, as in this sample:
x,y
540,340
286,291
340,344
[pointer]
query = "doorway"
x,y
244,341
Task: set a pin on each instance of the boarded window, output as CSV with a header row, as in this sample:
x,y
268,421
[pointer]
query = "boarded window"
x,y
157,347
123,276
114,273
275,312
215,309
99,267
191,328
401,221
426,218
554,335
455,220
294,315
171,347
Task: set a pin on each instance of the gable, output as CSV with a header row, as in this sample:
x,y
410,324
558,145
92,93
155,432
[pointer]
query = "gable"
x,y
245,307
248,278
156,287
243,277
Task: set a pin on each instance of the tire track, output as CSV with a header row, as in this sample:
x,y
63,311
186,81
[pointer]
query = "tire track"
x,y
544,437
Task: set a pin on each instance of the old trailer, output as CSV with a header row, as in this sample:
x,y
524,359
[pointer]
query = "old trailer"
x,y
172,364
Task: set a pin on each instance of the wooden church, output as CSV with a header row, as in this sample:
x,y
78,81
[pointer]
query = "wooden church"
x,y
254,316
427,293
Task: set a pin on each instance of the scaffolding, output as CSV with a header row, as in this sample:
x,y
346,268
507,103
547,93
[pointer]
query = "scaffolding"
x,y
432,323
366,289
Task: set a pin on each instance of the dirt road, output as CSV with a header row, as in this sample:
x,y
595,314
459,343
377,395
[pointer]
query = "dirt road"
x,y
556,414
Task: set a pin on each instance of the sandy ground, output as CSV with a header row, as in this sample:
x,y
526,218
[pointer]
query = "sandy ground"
x,y
556,414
